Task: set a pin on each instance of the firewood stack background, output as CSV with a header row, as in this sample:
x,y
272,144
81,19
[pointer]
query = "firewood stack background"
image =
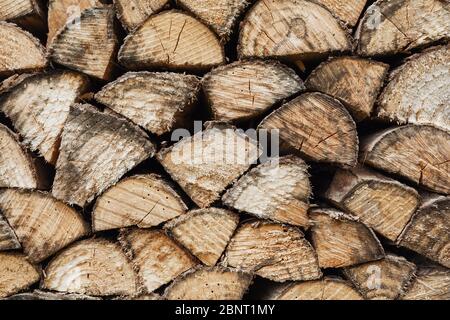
x,y
98,201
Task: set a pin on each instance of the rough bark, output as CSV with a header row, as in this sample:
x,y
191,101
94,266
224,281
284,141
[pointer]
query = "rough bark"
x,y
16,273
431,283
133,13
44,295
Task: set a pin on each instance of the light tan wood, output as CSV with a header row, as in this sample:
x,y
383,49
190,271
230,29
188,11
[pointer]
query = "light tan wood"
x,y
29,14
45,295
133,13
347,11
16,273
431,283
8,238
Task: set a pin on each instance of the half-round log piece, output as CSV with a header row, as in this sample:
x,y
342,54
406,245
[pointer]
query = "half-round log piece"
x,y
207,162
8,238
355,82
417,153
385,279
87,43
38,107
172,40
341,241
97,149
19,51
318,127
29,14
204,232
431,283
45,295
16,273
141,200
347,11
42,224
273,251
156,257
246,89
95,267
419,91
392,26
278,190
209,284
290,28
133,13
381,203
159,102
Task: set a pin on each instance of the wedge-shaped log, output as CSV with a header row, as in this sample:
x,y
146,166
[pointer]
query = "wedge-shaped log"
x,y
29,14
97,149
278,190
318,127
16,273
431,283
133,13
46,295
8,238
159,102
172,40
246,89
347,11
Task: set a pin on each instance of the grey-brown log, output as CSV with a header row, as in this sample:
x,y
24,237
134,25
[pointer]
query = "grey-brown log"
x,y
8,238
431,283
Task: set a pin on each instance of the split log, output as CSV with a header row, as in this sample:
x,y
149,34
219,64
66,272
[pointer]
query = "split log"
x,y
16,273
417,153
156,257
385,279
291,28
44,295
133,13
209,284
272,251
204,232
381,203
355,82
419,91
278,190
158,102
142,200
347,11
341,241
246,89
38,107
318,127
29,14
207,162
97,149
394,26
87,43
94,267
172,40
8,238
431,283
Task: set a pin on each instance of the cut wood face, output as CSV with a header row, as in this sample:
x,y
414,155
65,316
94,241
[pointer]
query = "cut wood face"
x,y
27,13
278,190
290,28
142,200
419,90
348,11
133,13
318,127
87,43
431,283
387,27
167,40
209,284
204,232
97,149
38,107
417,153
246,89
206,163
95,267
16,273
354,81
19,51
341,241
273,251
157,101
157,257
8,238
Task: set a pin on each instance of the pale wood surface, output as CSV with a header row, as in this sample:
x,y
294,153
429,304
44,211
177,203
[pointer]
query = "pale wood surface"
x,y
8,238
348,11
132,13
16,273
431,283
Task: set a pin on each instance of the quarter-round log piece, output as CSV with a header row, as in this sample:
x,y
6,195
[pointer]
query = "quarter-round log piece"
x,y
273,251
8,238
16,273
341,241
87,43
172,40
157,101
246,89
392,26
97,149
19,51
95,267
141,200
278,190
38,107
29,14
44,295
157,258
355,82
204,232
417,153
419,91
431,283
209,284
318,127
132,13
381,203
348,11
290,28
